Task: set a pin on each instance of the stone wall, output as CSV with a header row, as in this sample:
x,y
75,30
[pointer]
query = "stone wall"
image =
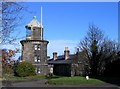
x,y
29,53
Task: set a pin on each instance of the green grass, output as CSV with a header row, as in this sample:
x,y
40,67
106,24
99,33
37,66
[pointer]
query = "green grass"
x,y
57,80
73,81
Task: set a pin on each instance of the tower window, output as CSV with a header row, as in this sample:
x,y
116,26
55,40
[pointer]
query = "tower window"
x,y
28,33
37,46
38,70
37,59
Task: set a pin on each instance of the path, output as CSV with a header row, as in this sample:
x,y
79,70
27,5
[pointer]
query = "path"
x,y
41,84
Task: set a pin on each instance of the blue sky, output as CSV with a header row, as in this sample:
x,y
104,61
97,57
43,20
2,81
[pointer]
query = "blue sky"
x,y
65,24
69,21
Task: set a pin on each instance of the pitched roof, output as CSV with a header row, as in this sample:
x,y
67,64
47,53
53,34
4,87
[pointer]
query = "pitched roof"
x,y
61,60
34,23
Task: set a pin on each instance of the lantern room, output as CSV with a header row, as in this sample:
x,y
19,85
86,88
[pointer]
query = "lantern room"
x,y
34,30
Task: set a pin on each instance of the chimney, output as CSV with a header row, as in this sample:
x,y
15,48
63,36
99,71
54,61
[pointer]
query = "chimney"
x,y
54,55
66,53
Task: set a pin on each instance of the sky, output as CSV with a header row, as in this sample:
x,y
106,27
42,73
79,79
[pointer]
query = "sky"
x,y
66,23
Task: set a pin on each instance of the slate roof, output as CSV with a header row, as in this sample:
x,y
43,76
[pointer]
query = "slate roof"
x,y
61,60
34,23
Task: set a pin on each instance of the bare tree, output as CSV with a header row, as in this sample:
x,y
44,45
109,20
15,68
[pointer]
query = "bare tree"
x,y
10,17
98,50
108,53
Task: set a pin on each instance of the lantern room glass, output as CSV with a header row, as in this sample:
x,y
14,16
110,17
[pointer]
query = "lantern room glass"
x,y
28,32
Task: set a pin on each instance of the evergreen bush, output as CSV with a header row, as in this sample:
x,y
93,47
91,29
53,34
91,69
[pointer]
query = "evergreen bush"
x,y
24,69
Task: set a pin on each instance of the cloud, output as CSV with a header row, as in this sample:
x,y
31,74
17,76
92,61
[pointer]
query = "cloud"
x,y
59,46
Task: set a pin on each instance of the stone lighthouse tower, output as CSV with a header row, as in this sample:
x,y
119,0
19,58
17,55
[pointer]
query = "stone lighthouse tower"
x,y
34,47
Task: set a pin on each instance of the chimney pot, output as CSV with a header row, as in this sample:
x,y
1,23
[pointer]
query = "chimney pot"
x,y
54,55
66,48
66,53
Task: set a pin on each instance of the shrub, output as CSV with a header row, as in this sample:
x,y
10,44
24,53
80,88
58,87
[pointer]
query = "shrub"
x,y
24,69
7,69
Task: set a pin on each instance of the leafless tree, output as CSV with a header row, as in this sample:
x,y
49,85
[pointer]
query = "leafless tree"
x,y
10,17
108,53
98,50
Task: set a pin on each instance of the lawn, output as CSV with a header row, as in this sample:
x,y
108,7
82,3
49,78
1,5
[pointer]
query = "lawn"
x,y
73,81
57,80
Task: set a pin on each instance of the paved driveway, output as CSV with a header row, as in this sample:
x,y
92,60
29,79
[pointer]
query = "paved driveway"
x,y
41,84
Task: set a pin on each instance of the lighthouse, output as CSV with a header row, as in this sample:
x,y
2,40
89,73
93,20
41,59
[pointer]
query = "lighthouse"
x,y
34,47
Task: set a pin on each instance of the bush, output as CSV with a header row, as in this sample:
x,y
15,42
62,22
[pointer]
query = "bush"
x,y
24,69
7,69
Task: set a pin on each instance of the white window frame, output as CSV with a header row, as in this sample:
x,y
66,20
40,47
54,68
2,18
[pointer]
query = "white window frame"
x,y
39,46
35,47
38,59
38,71
35,58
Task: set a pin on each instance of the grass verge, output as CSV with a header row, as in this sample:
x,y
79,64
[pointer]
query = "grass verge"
x,y
73,81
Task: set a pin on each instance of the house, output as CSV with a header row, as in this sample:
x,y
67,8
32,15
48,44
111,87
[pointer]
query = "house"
x,y
34,50
67,64
34,47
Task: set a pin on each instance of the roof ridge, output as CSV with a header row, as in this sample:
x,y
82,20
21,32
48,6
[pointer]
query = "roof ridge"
x,y
34,23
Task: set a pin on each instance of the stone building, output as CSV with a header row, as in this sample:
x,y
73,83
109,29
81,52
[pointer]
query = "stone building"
x,y
34,50
34,47
67,64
